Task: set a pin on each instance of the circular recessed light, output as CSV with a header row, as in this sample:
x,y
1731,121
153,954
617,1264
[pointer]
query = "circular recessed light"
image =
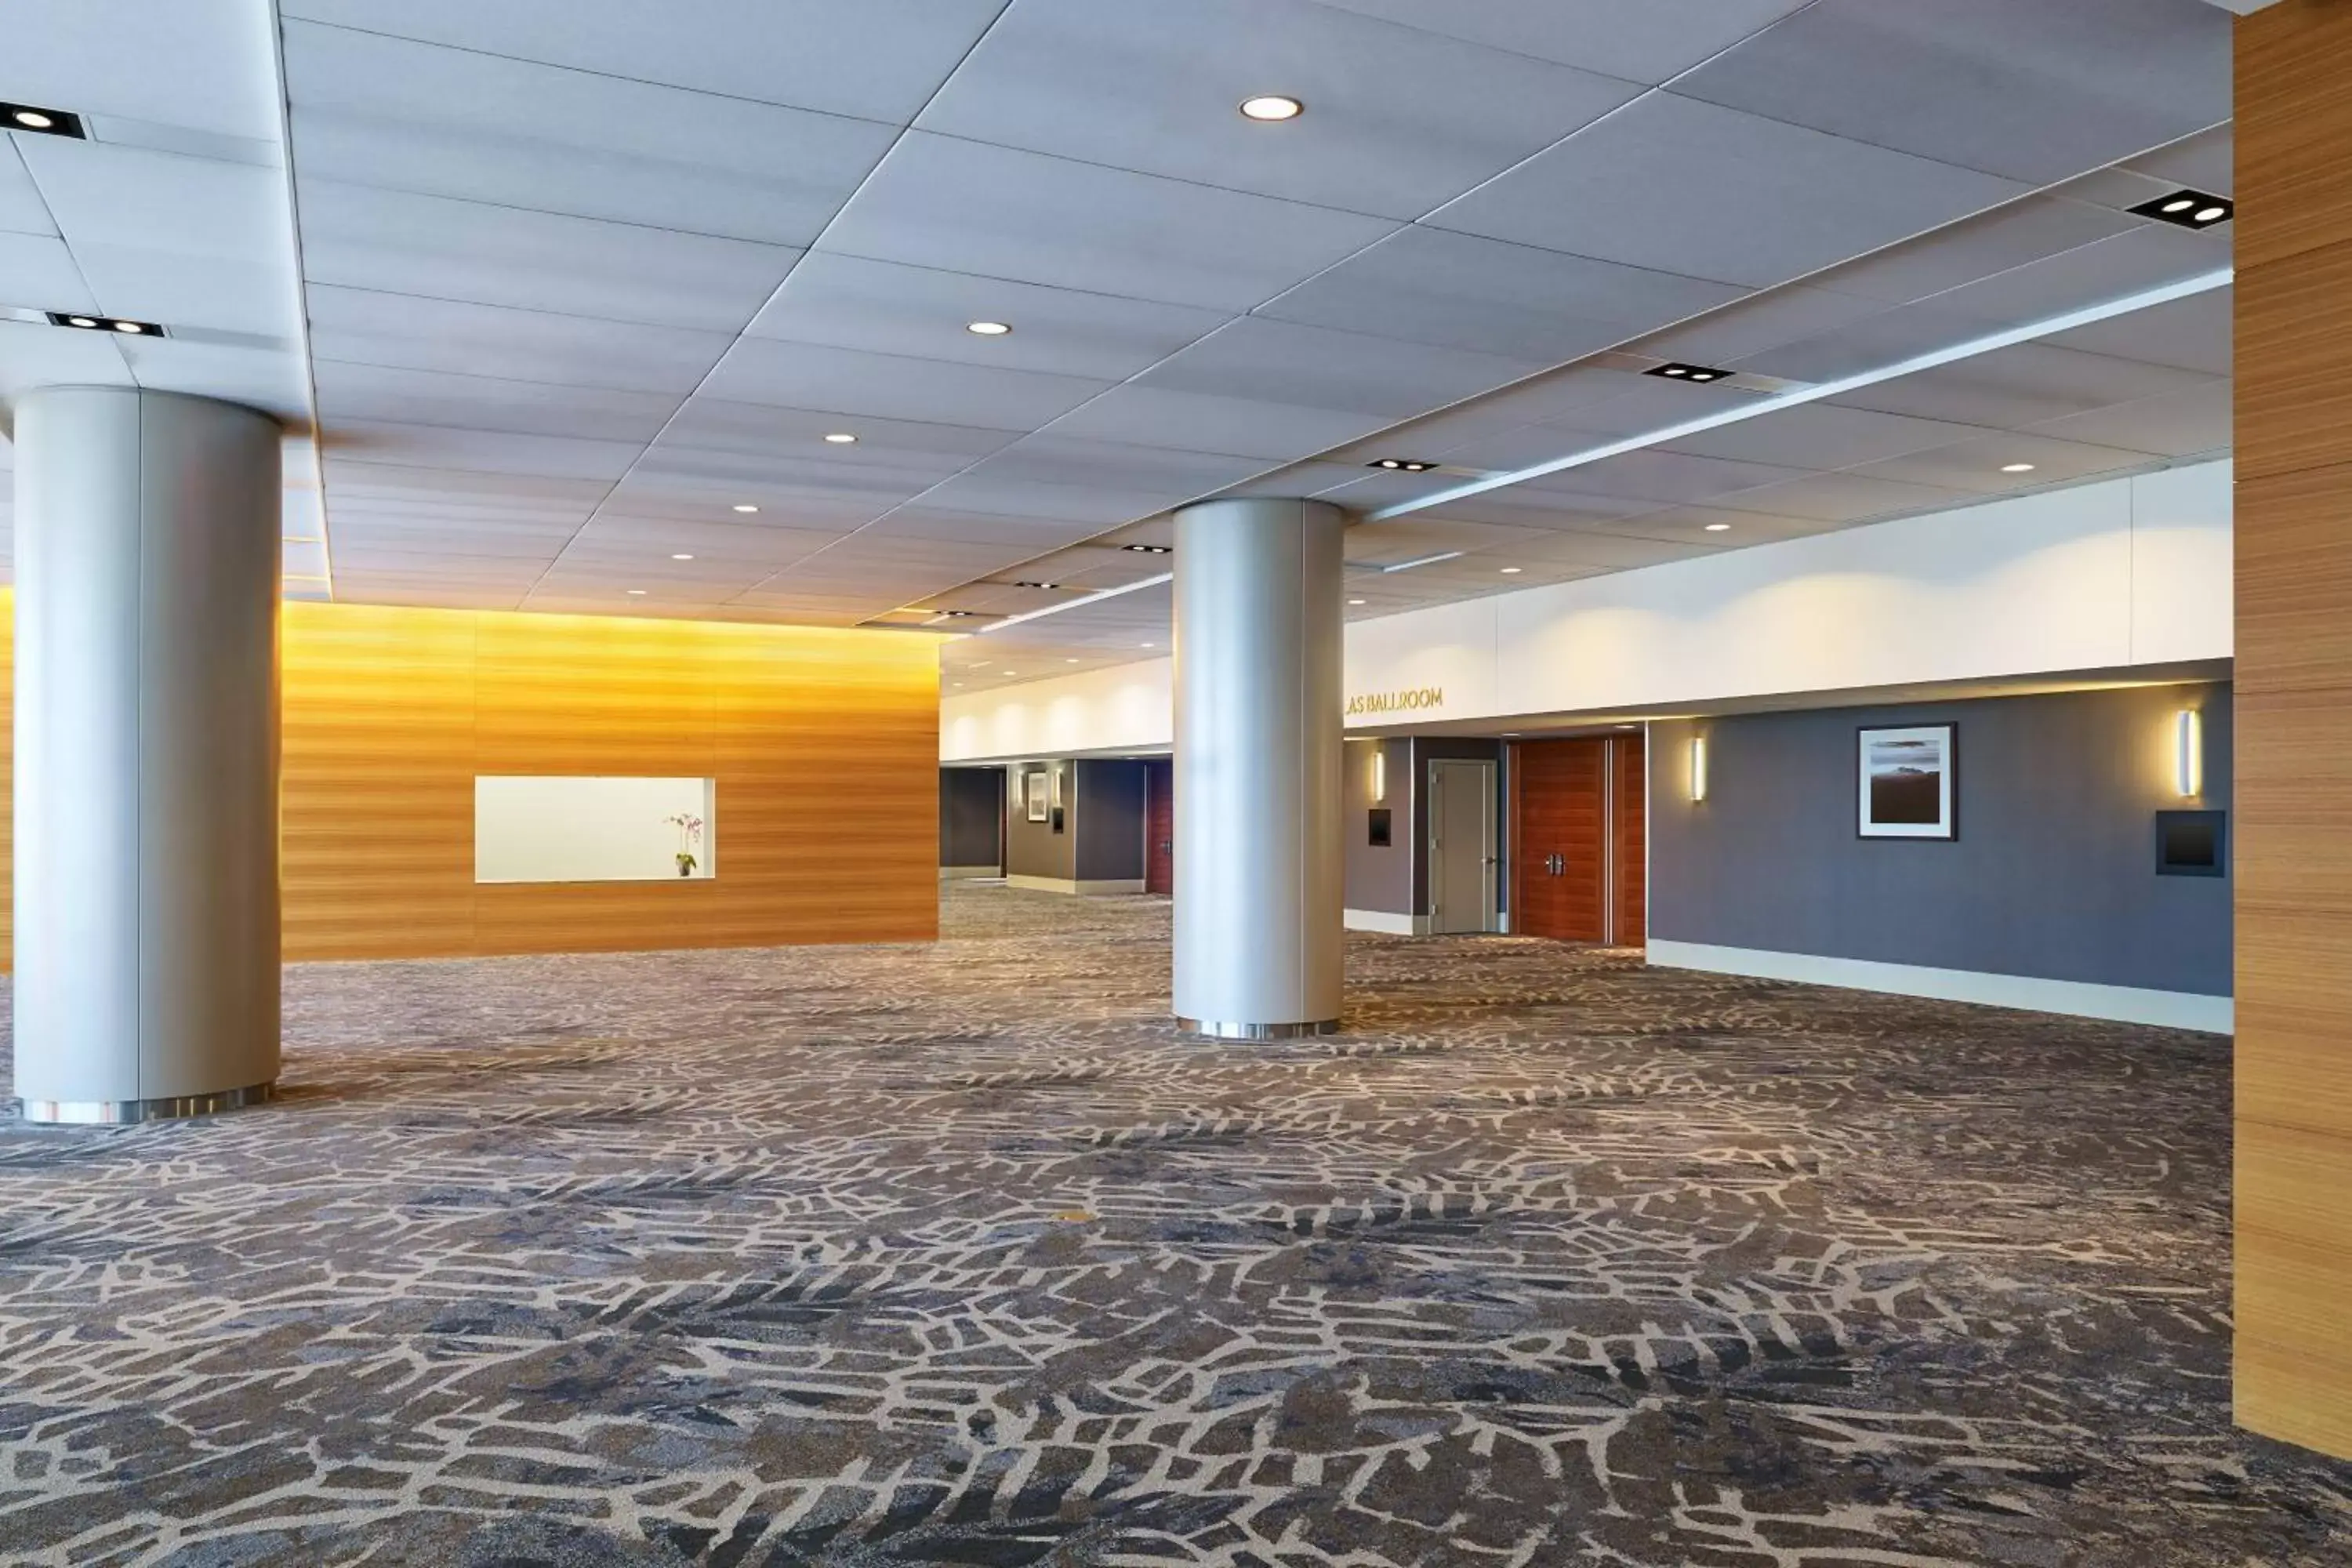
x,y
2179,204
2017,468
34,120
1151,645
637,593
745,506
1718,528
682,558
1675,370
133,328
987,328
1391,463
1513,570
81,321
958,683
1069,661
1355,601
842,439
2209,214
1272,108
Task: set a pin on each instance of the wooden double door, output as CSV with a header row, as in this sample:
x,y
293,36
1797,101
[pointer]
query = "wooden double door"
x,y
1578,845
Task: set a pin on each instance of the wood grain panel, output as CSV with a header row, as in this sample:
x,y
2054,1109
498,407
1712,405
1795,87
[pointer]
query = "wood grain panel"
x,y
1559,793
2293,857
825,745
1629,826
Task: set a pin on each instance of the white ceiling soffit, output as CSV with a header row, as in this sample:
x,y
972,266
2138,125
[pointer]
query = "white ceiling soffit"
x,y
590,283
172,208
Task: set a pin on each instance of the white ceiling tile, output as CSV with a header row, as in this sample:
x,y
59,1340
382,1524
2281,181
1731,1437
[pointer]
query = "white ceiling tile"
x,y
204,66
398,242
372,328
1870,342
1976,247
1522,507
801,469
610,533
1254,428
1459,290
429,594
1397,123
1096,507
1065,460
1615,552
1842,497
1976,465
385,112
194,292
383,392
758,429
651,494
430,490
2150,257
2205,162
404,550
1690,525
1647,42
882,307
38,271
21,210
2024,89
2023,384
356,441
965,206
1676,185
2194,333
1669,479
843,56
1822,435
1316,367
139,200
270,380
848,382
1764,320
2177,423
921,521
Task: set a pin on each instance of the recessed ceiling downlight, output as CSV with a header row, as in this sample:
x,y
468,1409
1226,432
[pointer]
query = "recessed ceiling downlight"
x,y
1403,465
842,439
1718,528
2188,209
41,122
2017,468
1678,371
1150,548
745,506
105,324
681,557
987,328
1272,108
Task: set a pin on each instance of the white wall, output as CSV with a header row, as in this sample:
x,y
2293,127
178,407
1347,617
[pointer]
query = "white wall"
x,y
2101,576
606,829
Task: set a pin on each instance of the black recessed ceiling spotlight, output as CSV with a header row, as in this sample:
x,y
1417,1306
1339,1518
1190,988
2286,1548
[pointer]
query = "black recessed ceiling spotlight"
x,y
2189,209
41,122
105,324
1037,584
1150,549
1401,465
1679,372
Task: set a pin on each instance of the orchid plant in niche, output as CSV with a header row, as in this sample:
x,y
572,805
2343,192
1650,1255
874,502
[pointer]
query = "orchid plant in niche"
x,y
689,838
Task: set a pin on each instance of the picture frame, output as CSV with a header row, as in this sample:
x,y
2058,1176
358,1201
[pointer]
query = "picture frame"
x,y
1906,782
1036,792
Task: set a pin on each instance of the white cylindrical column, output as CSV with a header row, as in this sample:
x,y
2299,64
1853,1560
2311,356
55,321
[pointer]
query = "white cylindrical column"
x,y
147,585
1258,851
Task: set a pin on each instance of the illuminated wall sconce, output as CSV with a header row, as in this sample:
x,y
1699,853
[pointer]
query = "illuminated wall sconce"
x,y
2189,753
1054,777
1380,774
1698,767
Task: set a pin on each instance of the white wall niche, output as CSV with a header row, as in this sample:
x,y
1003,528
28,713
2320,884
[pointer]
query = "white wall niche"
x,y
594,828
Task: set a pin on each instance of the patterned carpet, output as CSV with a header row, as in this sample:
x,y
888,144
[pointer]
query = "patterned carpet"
x,y
956,1255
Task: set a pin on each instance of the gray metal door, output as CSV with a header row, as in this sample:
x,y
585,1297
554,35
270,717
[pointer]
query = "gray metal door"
x,y
1461,864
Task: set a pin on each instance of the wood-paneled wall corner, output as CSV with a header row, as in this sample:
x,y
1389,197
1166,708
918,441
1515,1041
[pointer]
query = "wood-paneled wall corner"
x,y
2292,838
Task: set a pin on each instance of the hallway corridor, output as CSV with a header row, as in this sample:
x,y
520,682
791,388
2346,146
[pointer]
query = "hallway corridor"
x,y
956,1254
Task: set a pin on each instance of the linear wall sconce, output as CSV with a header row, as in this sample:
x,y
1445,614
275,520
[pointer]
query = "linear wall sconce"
x,y
1698,767
1380,774
2189,753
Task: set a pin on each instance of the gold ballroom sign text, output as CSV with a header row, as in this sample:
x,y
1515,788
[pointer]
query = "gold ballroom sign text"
x,y
1397,701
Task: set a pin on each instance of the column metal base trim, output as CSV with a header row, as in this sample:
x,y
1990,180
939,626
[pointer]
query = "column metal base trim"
x,y
127,1113
1212,1029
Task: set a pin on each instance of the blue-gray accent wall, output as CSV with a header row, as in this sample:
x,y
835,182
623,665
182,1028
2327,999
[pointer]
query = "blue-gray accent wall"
x,y
2053,876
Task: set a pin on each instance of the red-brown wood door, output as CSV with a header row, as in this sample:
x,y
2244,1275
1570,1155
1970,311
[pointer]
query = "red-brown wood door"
x,y
1629,810
1159,828
1559,839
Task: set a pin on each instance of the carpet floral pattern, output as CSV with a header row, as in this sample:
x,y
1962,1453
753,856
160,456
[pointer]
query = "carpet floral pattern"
x,y
957,1254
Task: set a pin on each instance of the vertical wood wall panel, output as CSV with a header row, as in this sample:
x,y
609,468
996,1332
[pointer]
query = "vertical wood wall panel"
x,y
825,745
2294,720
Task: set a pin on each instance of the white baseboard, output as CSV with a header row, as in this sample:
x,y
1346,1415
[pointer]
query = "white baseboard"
x,y
2125,1004
965,872
1387,921
1084,889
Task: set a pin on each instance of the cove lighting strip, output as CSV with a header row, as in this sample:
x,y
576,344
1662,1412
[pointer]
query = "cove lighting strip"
x,y
2204,282
1074,604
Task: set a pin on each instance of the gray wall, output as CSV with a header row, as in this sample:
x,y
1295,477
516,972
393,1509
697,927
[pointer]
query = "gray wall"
x,y
969,805
1107,821
2052,875
1034,849
1377,878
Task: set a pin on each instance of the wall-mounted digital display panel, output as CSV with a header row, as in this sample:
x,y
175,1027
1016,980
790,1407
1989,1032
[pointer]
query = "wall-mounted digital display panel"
x,y
537,828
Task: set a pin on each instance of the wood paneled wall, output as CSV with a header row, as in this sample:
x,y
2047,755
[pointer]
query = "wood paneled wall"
x,y
2293,837
825,745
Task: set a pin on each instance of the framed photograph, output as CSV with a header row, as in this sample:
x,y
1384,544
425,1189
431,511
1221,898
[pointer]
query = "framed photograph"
x,y
1038,795
1908,784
